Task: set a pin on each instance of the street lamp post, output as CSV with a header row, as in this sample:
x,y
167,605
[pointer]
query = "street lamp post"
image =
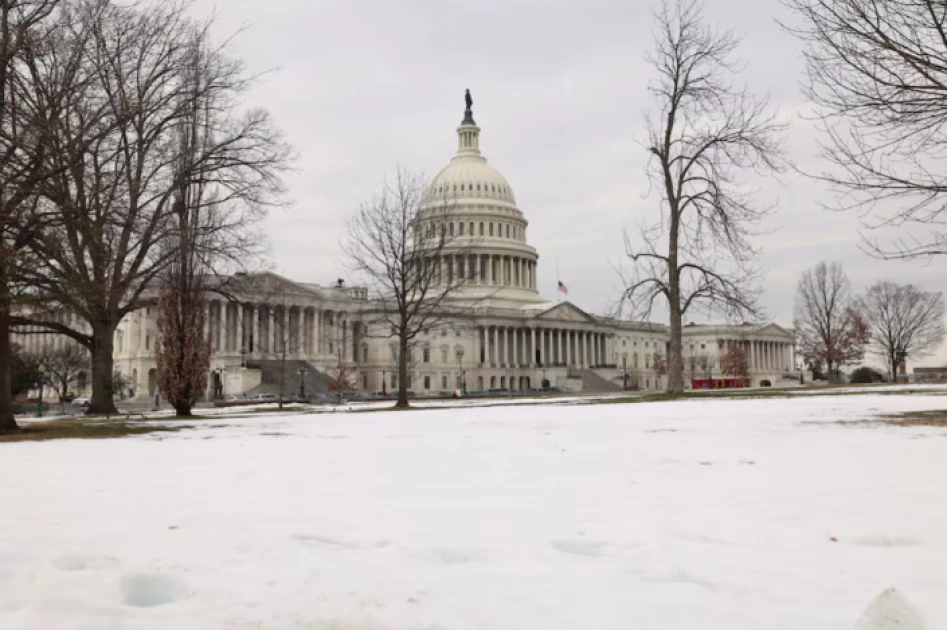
x,y
302,381
42,381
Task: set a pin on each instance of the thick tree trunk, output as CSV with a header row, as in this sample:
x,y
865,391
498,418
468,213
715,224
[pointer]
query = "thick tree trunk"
x,y
402,372
182,410
103,334
7,421
676,345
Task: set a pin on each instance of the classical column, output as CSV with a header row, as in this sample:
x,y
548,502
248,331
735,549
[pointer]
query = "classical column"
x,y
253,341
542,346
496,345
532,347
241,344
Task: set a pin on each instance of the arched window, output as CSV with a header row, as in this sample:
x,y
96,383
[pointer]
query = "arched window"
x,y
478,186
491,229
481,228
364,354
461,227
471,228
508,230
461,188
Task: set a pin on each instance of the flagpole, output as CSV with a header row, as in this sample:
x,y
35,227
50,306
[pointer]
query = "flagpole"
x,y
557,278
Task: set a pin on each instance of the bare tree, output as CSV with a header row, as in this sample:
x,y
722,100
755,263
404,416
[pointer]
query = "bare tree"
x,y
877,71
122,166
705,135
63,365
28,29
829,329
660,367
903,321
404,243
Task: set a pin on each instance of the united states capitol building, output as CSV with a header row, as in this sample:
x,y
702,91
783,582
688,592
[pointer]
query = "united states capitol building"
x,y
507,337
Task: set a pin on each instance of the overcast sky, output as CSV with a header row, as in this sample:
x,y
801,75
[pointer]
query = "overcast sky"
x,y
560,86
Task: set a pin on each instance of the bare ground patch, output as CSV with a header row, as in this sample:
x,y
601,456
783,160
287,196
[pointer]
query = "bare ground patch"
x,y
84,429
935,418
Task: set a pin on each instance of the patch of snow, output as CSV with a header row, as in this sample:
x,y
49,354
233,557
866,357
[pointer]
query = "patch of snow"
x,y
553,516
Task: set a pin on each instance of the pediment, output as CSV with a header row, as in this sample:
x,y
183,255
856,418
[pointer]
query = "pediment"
x,y
266,284
566,312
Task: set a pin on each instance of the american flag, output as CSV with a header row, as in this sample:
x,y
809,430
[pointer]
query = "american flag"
x,y
563,288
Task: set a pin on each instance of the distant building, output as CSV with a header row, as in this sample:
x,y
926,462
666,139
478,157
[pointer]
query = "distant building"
x,y
929,375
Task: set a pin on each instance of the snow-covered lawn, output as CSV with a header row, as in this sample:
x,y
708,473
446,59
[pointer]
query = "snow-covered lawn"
x,y
704,514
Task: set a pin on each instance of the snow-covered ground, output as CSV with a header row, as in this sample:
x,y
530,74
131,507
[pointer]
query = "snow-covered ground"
x,y
731,514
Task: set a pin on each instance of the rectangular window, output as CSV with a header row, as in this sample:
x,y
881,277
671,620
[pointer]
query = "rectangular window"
x,y
451,229
443,381
148,341
491,229
443,356
471,228
410,380
365,354
481,229
508,230
461,228
427,382
394,380
365,381
426,355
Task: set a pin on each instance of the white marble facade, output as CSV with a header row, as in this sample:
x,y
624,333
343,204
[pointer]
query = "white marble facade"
x,y
509,336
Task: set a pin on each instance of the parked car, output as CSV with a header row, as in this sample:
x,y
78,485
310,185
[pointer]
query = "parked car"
x,y
264,398
82,401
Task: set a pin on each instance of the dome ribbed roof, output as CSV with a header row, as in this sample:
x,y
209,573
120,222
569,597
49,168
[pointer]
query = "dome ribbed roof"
x,y
470,177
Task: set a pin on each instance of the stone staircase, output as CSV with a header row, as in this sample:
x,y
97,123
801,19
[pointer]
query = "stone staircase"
x,y
316,381
593,382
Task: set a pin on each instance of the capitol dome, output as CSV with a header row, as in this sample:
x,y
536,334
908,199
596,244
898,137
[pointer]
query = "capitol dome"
x,y
488,247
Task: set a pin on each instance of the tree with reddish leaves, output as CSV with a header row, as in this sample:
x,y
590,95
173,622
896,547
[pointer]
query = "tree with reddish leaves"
x,y
342,379
734,363
830,331
182,352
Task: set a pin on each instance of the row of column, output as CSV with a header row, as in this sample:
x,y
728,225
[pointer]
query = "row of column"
x,y
766,355
486,270
263,329
34,340
543,347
